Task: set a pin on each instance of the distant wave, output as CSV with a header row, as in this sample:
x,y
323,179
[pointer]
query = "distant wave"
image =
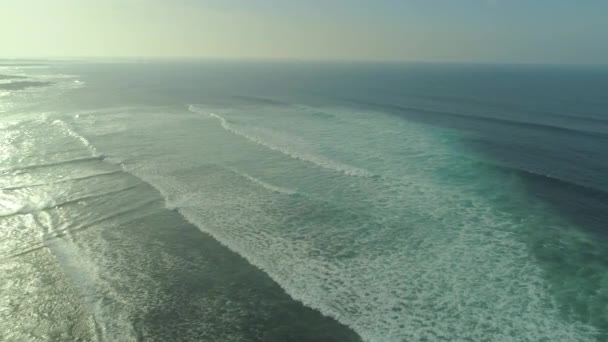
x,y
260,100
531,174
272,102
26,208
489,119
14,80
493,104
300,155
33,185
15,64
313,111
11,77
57,163
20,85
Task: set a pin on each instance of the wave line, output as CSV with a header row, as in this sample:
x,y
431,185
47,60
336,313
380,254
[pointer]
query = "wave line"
x,y
320,161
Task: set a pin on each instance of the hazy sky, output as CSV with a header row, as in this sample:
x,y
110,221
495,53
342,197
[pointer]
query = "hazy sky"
x,y
541,31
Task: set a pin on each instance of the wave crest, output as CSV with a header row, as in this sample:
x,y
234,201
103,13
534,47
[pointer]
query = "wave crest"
x,y
318,160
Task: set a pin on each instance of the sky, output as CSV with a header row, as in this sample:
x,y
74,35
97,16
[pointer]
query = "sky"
x,y
488,31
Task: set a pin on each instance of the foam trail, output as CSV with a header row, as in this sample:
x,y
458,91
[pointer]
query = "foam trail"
x,y
265,185
321,161
69,131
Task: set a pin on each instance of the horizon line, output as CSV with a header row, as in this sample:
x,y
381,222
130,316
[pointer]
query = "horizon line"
x,y
143,59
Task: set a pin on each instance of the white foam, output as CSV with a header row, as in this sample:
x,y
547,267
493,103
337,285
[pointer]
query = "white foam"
x,y
412,295
437,263
265,185
69,131
287,150
12,205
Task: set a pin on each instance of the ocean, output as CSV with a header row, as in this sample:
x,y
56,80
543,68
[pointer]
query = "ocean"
x,y
291,201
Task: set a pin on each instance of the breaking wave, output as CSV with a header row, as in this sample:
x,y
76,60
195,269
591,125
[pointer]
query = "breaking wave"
x,y
318,160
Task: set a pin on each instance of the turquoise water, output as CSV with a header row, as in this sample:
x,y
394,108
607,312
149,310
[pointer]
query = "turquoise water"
x,y
303,202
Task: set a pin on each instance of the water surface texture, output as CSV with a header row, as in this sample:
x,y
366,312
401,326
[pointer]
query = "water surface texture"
x,y
224,201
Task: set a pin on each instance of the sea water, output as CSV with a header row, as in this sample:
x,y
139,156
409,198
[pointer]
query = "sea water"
x,y
258,201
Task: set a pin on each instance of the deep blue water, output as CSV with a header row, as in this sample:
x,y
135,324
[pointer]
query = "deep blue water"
x,y
258,201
